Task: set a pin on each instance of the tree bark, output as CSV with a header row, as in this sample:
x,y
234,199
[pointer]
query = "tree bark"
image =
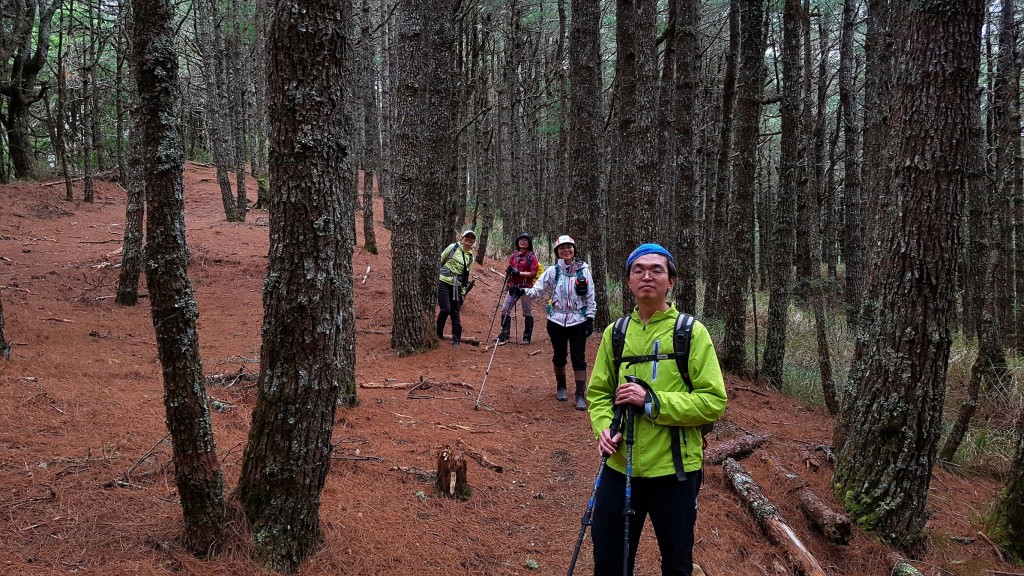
x,y
371,140
21,87
197,472
687,198
634,184
308,363
135,211
736,448
719,198
207,27
888,435
853,240
1007,523
1008,175
586,223
740,250
5,348
424,152
782,242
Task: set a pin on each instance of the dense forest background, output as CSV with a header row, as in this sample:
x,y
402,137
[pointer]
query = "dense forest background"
x,y
854,168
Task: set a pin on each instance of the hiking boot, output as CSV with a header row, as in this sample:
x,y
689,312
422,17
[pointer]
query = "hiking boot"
x,y
560,389
581,389
581,395
506,325
527,329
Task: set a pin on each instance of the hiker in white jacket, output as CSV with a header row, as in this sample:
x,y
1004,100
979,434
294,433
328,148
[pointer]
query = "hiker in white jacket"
x,y
571,308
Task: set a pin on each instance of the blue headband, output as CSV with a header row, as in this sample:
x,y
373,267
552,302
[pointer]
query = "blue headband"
x,y
645,249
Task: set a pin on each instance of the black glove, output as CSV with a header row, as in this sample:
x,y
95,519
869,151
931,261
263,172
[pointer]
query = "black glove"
x,y
509,270
588,327
519,292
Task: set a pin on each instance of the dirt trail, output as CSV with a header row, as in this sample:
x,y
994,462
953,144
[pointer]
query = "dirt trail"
x,y
85,478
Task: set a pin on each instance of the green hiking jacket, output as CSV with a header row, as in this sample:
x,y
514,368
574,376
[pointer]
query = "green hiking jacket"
x,y
454,262
652,453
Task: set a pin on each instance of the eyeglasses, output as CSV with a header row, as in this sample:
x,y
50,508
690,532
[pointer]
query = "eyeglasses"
x,y
655,273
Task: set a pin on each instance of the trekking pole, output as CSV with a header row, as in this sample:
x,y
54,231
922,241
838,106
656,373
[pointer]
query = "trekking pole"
x,y
589,514
494,349
501,296
628,510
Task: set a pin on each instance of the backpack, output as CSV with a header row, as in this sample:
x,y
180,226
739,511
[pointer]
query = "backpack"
x,y
680,346
681,336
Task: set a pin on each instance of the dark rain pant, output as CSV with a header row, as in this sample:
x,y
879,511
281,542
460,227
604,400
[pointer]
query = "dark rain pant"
x,y
448,305
566,339
672,506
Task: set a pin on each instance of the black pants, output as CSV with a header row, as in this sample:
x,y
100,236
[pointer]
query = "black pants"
x,y
568,339
672,506
448,305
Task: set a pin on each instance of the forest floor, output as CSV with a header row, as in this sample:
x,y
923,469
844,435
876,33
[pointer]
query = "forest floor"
x,y
86,478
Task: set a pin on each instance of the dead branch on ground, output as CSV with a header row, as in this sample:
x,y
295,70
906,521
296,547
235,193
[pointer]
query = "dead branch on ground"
x,y
735,448
477,455
770,520
833,525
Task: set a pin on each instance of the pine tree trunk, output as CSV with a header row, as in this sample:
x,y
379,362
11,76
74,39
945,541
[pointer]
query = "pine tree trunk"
x,y
5,348
1008,172
197,471
719,198
889,433
990,364
424,151
135,210
853,241
585,221
21,88
307,355
783,240
216,108
259,111
635,183
371,141
688,220
739,262
1007,523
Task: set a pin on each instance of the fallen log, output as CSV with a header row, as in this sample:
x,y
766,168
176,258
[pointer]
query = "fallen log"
x,y
770,520
833,525
467,340
388,385
451,474
477,455
421,383
735,448
900,567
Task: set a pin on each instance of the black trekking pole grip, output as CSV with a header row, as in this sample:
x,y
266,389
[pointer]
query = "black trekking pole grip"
x,y
589,514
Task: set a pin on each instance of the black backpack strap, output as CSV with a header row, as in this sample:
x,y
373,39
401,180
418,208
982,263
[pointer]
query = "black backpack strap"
x,y
677,432
681,346
619,341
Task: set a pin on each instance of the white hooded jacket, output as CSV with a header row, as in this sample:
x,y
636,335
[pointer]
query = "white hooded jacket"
x,y
565,306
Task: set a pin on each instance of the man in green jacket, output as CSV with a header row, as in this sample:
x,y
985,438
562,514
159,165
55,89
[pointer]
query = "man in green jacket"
x,y
667,454
452,283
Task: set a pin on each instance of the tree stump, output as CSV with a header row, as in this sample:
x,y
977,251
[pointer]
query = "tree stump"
x,y
451,474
